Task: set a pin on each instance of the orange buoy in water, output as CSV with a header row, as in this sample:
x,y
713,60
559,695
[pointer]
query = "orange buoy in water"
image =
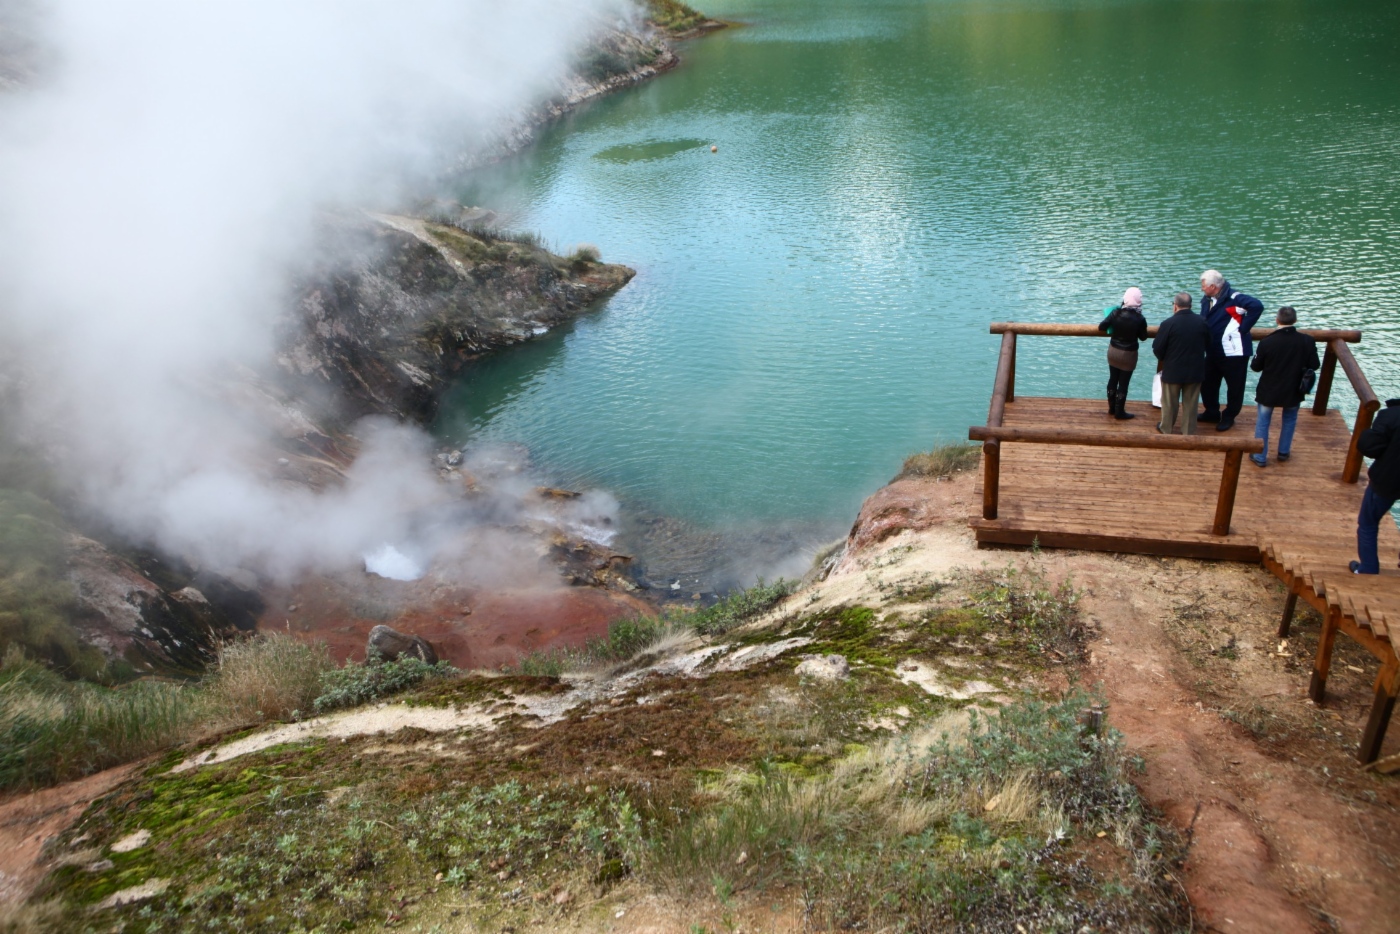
x,y
714,149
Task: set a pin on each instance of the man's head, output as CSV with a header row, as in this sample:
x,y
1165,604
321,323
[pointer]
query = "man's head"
x,y
1211,282
1182,302
1287,317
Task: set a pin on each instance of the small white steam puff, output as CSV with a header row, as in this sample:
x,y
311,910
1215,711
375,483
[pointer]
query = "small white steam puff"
x,y
389,562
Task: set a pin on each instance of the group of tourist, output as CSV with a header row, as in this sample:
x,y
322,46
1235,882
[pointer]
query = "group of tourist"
x,y
1200,351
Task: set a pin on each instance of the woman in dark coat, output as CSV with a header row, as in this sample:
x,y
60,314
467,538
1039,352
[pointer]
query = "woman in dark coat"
x,y
1126,328
1280,360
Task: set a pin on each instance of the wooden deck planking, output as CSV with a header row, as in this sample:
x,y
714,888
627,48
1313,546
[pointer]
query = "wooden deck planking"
x,y
1163,502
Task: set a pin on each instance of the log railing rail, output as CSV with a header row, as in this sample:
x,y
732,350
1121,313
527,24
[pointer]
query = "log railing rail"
x,y
1048,329
1366,401
1233,448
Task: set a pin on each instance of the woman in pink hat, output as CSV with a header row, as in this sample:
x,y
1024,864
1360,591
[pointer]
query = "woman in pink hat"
x,y
1126,328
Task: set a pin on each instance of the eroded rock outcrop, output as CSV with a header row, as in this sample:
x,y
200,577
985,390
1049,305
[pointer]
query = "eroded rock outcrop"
x,y
401,304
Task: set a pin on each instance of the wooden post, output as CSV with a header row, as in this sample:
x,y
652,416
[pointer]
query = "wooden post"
x,y
1225,502
1351,470
991,478
1317,690
1011,377
1289,606
1324,381
1384,705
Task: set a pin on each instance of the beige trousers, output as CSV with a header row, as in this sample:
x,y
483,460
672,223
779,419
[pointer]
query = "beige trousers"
x,y
1183,396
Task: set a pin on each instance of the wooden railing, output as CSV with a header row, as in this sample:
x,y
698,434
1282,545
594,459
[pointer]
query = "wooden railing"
x,y
1336,352
1234,449
1367,402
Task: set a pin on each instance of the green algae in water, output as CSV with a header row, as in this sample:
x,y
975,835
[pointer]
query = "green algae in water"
x,y
645,152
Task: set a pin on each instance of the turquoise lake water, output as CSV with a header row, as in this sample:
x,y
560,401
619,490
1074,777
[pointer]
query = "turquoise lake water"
x,y
812,300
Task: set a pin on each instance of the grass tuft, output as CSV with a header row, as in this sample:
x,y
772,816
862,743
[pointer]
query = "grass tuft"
x,y
53,730
943,461
271,677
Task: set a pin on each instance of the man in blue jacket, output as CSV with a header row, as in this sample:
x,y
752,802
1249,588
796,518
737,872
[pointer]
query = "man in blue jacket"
x,y
1230,315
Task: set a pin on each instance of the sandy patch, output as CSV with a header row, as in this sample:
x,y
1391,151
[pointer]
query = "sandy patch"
x,y
927,677
148,889
388,718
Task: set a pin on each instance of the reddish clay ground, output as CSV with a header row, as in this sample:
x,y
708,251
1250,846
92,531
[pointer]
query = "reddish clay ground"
x,y
469,627
28,820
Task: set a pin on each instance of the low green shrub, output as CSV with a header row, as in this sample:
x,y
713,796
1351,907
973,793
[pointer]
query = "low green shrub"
x,y
357,684
740,607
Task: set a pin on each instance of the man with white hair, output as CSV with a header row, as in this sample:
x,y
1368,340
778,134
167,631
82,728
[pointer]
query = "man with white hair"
x,y
1230,315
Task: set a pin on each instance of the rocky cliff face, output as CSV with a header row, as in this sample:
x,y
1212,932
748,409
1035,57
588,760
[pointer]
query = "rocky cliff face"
x,y
403,303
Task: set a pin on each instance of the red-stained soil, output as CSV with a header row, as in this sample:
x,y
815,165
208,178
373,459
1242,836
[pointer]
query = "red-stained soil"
x,y
28,820
469,627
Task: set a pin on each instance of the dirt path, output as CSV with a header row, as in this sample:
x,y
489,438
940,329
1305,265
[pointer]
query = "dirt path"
x,y
28,820
1284,837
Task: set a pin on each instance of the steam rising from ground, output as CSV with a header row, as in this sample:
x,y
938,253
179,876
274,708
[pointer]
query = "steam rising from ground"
x,y
156,187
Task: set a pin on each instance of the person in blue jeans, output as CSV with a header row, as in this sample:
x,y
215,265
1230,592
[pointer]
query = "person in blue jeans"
x,y
1281,360
1378,441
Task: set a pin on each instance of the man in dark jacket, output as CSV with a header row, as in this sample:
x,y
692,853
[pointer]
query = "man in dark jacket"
x,y
1281,360
1230,315
1381,441
1181,346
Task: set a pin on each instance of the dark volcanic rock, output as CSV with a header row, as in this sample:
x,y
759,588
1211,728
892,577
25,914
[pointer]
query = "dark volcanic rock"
x,y
391,645
400,304
152,613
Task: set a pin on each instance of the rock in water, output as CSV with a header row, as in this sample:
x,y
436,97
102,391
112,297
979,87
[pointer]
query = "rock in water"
x,y
824,667
391,645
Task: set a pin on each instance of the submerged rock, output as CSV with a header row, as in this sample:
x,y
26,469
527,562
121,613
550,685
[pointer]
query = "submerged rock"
x,y
391,645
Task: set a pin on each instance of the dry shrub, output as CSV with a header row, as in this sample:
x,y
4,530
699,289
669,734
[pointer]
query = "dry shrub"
x,y
267,677
943,461
33,918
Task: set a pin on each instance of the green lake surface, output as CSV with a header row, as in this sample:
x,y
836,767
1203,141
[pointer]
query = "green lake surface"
x,y
812,300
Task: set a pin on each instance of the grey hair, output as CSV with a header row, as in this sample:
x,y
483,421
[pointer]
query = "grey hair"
x,y
1182,300
1287,316
1212,277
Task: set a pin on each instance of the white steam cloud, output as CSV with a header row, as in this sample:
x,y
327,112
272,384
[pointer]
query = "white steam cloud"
x,y
156,186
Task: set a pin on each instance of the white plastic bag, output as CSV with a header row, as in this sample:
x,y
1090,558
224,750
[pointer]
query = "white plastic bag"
x,y
1157,390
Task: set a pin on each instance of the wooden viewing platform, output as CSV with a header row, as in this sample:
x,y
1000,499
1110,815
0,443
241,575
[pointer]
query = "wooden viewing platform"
x,y
1063,473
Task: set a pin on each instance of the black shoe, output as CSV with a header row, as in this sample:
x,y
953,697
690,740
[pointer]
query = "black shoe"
x,y
1354,567
1283,457
1225,424
1258,461
1210,418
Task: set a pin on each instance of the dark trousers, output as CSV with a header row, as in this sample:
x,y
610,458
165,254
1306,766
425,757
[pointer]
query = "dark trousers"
x,y
1374,508
1232,370
1118,381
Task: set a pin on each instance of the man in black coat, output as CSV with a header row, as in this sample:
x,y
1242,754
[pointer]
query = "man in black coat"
x,y
1230,315
1281,360
1181,346
1381,441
